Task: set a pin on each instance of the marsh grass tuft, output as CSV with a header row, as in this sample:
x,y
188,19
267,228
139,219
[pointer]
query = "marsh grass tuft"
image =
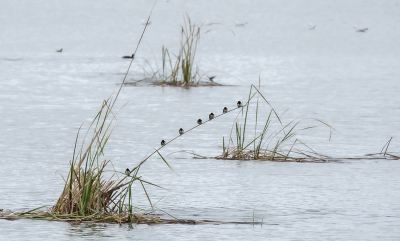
x,y
268,142
180,69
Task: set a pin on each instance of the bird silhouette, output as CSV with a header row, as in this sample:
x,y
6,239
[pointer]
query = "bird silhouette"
x,y
362,30
129,57
311,26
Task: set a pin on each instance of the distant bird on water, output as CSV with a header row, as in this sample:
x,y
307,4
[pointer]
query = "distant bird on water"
x,y
145,23
225,110
311,26
361,30
181,131
199,121
163,143
239,104
240,24
129,57
60,50
127,172
211,116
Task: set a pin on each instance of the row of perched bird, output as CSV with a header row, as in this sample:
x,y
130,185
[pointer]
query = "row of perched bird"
x,y
199,122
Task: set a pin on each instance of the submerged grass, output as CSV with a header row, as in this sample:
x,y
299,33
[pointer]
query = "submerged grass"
x,y
269,142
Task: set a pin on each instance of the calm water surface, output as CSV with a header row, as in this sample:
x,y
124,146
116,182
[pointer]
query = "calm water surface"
x,y
348,79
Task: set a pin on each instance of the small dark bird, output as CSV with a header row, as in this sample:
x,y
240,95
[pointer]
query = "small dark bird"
x,y
60,50
181,131
163,143
362,30
199,121
225,110
211,116
127,172
239,104
129,57
211,78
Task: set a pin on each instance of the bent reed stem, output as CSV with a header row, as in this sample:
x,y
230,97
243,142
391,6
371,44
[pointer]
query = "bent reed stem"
x,y
144,160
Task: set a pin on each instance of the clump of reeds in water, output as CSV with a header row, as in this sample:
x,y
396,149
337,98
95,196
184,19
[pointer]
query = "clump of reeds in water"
x,y
179,69
86,192
268,142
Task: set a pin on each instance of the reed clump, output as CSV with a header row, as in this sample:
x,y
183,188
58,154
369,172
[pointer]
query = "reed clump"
x,y
269,143
87,193
180,69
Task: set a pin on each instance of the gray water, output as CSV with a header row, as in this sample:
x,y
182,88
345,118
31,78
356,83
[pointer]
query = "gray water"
x,y
345,78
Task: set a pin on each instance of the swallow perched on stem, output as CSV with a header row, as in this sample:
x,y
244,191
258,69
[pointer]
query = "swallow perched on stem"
x,y
181,131
239,104
199,121
129,57
225,110
127,172
163,143
211,116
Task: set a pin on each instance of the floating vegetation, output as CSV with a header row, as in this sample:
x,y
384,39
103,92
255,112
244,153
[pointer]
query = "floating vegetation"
x,y
138,219
268,142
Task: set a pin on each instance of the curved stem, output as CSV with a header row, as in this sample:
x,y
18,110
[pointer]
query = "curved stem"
x,y
179,136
